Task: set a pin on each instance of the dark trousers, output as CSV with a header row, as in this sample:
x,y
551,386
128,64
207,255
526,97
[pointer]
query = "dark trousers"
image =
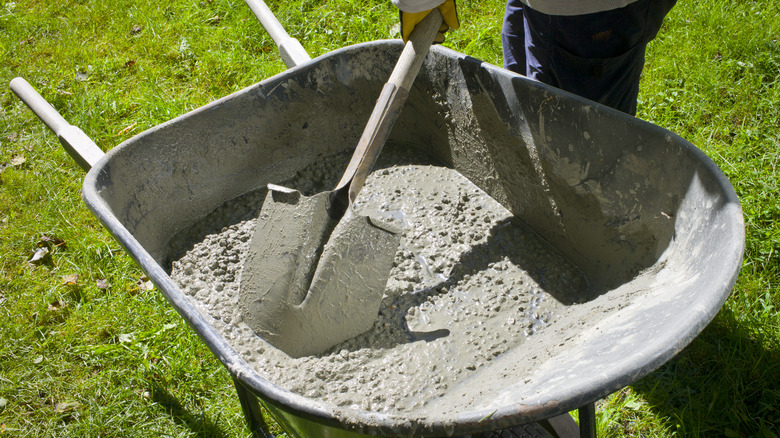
x,y
598,56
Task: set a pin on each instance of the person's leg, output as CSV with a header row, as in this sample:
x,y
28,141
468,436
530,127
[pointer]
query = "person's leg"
x,y
539,46
513,37
597,56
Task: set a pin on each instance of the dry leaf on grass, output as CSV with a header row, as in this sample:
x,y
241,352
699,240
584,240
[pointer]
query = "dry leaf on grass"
x,y
39,255
144,283
56,305
51,241
70,280
17,160
42,254
66,407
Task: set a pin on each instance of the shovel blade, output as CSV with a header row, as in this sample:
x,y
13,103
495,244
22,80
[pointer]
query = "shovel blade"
x,y
310,286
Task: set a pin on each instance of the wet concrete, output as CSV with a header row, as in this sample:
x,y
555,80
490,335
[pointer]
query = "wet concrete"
x,y
469,287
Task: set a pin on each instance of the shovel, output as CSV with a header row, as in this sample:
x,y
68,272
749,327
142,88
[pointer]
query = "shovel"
x,y
316,271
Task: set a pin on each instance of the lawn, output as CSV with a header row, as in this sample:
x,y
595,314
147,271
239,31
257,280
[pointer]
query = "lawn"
x,y
89,348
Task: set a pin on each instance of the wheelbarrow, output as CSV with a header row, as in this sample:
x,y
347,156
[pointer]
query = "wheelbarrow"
x,y
649,219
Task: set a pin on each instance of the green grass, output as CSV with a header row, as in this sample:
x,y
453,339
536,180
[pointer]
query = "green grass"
x,y
82,360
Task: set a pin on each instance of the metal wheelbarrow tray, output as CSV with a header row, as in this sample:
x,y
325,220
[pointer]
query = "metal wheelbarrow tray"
x,y
646,216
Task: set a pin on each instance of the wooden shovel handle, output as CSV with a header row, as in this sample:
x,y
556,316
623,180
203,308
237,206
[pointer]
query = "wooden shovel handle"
x,y
389,104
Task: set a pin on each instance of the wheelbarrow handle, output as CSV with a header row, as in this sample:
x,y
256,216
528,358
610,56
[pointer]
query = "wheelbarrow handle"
x,y
80,147
290,49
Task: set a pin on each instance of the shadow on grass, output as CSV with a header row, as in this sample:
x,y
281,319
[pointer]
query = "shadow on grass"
x,y
725,383
200,425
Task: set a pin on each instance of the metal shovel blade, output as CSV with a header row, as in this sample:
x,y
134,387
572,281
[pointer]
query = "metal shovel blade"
x,y
303,313
304,302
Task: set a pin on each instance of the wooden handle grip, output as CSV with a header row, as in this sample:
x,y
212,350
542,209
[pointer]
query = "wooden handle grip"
x,y
389,104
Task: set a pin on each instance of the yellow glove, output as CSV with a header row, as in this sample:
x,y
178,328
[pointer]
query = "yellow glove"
x,y
448,11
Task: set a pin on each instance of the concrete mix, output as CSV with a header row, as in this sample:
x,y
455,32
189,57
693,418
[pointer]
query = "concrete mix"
x,y
469,288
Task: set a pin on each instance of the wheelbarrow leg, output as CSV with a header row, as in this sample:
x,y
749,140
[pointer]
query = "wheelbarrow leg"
x,y
251,408
563,426
587,416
